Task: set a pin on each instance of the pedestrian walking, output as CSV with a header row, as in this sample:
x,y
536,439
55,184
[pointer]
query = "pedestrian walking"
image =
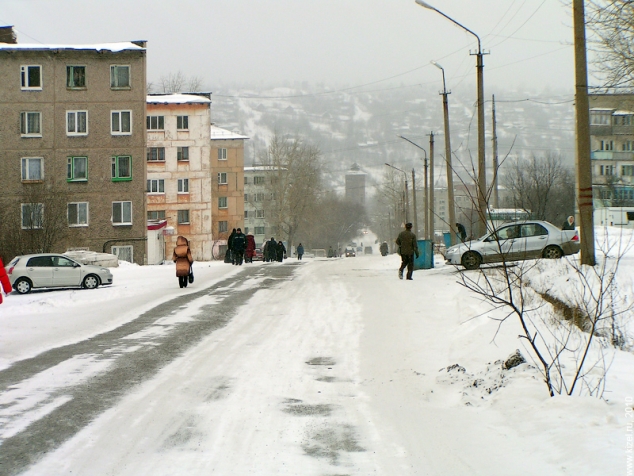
x,y
239,245
249,252
182,256
230,245
462,232
271,248
4,280
408,247
281,251
300,251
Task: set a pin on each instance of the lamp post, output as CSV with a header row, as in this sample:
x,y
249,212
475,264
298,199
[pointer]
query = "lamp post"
x,y
450,197
406,192
481,186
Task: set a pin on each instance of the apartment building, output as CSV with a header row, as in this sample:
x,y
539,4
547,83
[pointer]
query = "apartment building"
x,y
257,203
72,145
179,176
227,163
612,145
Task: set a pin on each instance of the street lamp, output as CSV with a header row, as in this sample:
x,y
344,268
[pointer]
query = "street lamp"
x,y
406,192
482,204
450,197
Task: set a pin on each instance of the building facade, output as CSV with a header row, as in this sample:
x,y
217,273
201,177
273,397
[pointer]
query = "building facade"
x,y
257,203
355,185
179,178
612,146
227,167
72,146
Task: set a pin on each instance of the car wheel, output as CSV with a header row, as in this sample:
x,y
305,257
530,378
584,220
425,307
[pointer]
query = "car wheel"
x,y
91,282
22,286
553,252
471,260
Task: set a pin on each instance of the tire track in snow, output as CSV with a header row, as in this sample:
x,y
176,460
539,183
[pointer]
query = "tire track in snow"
x,y
130,358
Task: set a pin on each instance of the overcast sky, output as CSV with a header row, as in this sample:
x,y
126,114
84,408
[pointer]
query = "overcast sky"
x,y
339,42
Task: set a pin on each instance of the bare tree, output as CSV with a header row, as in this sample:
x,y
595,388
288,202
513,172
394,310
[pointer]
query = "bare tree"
x,y
293,183
36,224
541,185
612,25
178,82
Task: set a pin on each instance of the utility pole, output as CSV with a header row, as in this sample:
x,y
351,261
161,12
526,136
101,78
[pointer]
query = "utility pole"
x,y
426,203
431,186
583,162
414,199
496,200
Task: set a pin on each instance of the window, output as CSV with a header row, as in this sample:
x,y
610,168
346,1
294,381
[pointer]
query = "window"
x,y
183,217
258,197
222,202
77,123
246,230
223,226
607,170
259,214
32,168
182,153
182,122
75,77
246,214
122,213
600,118
627,145
222,154
607,145
156,186
155,123
78,214
123,253
31,124
31,77
626,170
258,180
77,169
121,168
119,76
121,123
183,185
222,178
156,215
156,154
246,180
32,216
246,197
259,230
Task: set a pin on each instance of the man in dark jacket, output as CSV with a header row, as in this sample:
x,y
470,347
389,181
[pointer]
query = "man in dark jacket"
x,y
408,247
281,251
230,245
238,246
271,249
462,232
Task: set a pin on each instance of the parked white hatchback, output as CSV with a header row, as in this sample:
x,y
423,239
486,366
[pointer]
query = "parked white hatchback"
x,y
514,242
48,270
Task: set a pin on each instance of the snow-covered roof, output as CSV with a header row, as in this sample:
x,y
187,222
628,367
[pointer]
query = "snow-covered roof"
x,y
261,168
623,113
602,109
177,99
218,133
114,47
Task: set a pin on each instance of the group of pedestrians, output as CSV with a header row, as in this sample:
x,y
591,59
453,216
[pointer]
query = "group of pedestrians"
x,y
237,245
274,251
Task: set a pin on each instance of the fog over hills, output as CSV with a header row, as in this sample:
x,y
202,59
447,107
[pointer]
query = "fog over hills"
x,y
353,126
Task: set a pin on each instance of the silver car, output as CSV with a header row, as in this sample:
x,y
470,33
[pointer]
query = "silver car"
x,y
513,242
48,270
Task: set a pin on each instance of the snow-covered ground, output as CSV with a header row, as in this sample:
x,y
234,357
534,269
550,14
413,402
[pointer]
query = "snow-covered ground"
x,y
343,369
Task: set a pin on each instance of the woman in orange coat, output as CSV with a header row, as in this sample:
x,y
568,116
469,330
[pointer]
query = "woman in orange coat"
x,y
4,280
182,256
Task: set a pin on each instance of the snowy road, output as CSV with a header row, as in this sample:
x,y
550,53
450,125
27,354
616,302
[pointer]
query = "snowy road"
x,y
327,367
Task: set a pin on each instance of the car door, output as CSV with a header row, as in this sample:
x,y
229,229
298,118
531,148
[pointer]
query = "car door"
x,y
39,269
535,239
66,272
499,245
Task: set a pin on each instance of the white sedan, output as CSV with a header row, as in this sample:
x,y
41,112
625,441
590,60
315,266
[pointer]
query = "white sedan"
x,y
48,270
513,242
